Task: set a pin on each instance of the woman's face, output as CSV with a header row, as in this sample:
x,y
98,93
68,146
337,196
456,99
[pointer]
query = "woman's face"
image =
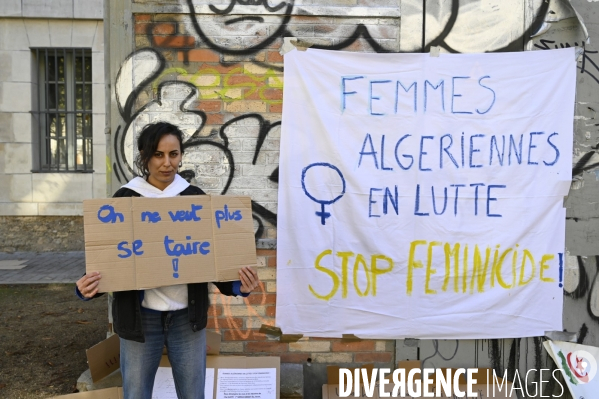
x,y
164,164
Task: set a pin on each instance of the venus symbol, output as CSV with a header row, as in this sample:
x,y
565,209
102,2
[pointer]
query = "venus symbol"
x,y
324,184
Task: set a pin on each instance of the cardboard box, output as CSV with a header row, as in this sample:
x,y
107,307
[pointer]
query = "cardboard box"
x,y
139,243
109,393
103,359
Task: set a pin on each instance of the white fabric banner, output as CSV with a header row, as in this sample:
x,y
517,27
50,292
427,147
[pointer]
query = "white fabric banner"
x,y
423,196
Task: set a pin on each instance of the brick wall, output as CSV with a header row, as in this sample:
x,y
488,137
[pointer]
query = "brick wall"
x,y
238,74
239,87
239,320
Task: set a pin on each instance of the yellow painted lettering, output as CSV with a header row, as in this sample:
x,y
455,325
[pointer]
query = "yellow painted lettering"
x,y
449,252
344,261
413,264
331,274
495,260
514,261
361,261
429,268
544,266
479,272
527,255
376,271
497,269
465,274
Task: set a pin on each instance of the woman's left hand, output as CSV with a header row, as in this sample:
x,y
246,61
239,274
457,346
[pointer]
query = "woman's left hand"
x,y
249,279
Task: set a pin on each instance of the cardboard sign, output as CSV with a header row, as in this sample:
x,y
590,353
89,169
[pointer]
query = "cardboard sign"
x,y
140,243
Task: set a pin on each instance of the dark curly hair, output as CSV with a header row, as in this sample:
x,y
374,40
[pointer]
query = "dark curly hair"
x,y
148,140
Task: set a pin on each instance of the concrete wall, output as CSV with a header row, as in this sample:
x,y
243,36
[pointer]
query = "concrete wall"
x,y
24,193
77,9
222,84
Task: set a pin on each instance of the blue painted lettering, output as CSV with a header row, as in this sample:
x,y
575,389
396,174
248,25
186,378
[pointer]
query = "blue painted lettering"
x,y
457,196
153,217
372,97
372,152
499,157
555,148
446,150
226,215
371,201
111,217
454,95
440,84
517,151
476,185
417,203
414,85
186,216
531,146
345,93
411,158
422,152
390,198
473,150
489,199
444,200
188,248
383,154
491,90
122,246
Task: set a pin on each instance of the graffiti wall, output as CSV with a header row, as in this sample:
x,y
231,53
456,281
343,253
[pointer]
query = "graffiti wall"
x,y
215,69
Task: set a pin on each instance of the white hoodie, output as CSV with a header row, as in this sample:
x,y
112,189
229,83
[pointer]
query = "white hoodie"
x,y
173,297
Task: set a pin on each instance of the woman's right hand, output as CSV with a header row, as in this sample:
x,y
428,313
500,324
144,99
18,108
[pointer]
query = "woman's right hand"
x,y
88,284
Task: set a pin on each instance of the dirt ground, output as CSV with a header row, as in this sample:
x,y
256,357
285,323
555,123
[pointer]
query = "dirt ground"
x,y
44,332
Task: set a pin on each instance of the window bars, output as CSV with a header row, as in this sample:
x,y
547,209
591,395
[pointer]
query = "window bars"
x,y
64,110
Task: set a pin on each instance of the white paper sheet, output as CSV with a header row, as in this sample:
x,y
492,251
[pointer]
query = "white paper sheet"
x,y
247,383
423,196
209,387
164,384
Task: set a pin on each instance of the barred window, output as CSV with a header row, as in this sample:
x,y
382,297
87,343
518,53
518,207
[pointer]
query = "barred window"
x,y
63,113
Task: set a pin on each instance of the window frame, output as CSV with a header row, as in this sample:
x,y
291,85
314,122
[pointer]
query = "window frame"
x,y
67,119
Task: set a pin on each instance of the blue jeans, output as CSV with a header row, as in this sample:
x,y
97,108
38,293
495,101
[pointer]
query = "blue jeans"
x,y
186,353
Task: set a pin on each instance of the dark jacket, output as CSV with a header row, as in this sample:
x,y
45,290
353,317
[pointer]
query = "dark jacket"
x,y
126,307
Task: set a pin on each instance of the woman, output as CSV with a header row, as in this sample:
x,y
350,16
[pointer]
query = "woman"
x,y
174,316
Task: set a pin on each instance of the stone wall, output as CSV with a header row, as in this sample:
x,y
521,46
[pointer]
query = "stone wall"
x,y
79,9
41,233
25,193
